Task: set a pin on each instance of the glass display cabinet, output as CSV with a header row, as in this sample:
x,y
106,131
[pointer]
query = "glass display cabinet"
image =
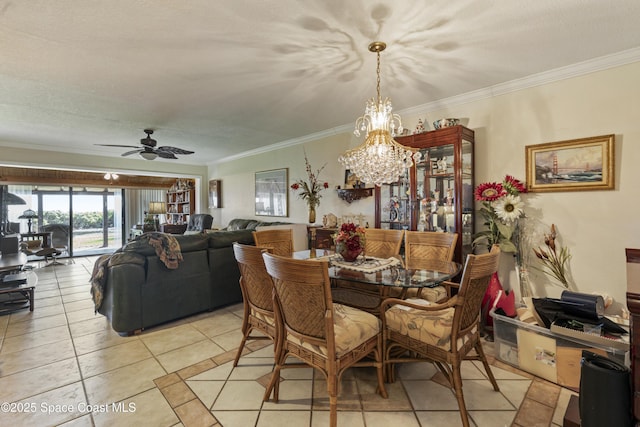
x,y
436,194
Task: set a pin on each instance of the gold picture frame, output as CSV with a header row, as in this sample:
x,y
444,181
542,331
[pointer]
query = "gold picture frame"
x,y
573,165
272,195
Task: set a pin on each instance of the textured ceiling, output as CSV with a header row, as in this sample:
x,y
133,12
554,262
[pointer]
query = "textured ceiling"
x,y
227,76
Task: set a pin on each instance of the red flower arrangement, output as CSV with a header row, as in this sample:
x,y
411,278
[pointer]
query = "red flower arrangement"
x,y
349,241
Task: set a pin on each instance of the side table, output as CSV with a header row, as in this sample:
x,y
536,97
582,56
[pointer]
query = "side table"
x,y
17,297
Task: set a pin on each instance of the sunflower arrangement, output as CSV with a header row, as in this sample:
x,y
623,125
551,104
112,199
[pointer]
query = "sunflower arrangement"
x,y
501,208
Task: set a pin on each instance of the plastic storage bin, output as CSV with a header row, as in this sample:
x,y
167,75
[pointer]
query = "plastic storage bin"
x,y
543,353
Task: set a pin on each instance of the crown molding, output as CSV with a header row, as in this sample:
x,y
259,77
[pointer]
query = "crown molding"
x,y
570,71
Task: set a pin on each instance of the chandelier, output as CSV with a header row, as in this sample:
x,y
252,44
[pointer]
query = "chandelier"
x,y
380,159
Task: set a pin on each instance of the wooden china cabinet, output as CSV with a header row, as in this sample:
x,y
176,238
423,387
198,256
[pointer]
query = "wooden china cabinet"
x,y
436,194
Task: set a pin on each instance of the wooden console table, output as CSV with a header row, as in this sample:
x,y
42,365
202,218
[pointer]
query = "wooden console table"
x,y
45,236
321,236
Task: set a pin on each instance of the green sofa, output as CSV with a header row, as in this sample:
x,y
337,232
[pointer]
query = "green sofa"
x,y
140,292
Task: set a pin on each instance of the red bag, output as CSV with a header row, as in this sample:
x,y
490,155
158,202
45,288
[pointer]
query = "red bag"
x,y
496,298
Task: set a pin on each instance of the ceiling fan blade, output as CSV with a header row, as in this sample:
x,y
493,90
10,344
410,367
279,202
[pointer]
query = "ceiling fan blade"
x,y
173,150
114,145
128,153
165,154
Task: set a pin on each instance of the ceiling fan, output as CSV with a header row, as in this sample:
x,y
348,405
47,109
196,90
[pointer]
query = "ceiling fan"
x,y
149,151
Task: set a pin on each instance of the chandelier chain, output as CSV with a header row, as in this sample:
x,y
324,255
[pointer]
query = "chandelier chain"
x,y
378,75
379,159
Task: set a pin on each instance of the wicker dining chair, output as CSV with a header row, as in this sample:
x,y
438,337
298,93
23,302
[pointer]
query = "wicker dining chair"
x,y
327,336
422,251
383,243
280,241
257,296
416,330
379,243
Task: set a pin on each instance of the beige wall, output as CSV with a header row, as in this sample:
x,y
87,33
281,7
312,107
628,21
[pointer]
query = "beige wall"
x,y
595,225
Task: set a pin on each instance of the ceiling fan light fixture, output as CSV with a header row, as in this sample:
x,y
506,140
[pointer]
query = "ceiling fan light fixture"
x,y
380,159
148,155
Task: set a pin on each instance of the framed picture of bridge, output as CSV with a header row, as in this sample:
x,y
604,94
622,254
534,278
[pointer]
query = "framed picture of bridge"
x,y
573,165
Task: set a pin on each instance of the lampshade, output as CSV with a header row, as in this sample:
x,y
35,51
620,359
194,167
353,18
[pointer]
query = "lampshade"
x,y
148,155
28,214
156,208
380,159
12,199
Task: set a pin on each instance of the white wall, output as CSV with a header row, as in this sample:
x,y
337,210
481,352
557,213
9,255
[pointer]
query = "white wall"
x,y
595,225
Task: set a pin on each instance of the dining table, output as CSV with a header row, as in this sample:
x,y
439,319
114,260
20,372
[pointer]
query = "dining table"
x,y
377,278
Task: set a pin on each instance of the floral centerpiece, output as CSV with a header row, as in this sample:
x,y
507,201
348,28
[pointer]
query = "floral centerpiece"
x,y
349,241
501,208
310,191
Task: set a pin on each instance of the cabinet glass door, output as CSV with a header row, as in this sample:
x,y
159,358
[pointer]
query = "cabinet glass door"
x,y
435,189
396,205
467,197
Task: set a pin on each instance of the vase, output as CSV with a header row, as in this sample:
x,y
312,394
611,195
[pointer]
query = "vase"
x,y
312,214
347,254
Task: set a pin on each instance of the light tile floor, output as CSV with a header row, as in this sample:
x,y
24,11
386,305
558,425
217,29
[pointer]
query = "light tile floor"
x,y
63,365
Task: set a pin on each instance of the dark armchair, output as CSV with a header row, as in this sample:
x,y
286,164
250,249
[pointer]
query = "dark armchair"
x,y
60,234
199,222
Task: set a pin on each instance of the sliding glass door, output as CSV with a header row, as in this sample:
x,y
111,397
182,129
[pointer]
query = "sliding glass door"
x,y
97,220
85,221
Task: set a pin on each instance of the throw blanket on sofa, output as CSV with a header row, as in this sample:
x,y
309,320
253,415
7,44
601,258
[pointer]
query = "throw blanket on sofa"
x,y
98,279
167,249
166,246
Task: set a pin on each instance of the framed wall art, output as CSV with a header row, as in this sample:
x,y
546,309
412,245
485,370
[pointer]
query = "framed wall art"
x,y
272,196
351,180
215,193
573,165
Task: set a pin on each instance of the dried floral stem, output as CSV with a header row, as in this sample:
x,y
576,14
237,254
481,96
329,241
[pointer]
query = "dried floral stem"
x,y
554,259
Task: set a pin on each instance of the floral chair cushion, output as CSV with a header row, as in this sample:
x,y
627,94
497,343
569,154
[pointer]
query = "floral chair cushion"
x,y
352,327
430,327
435,294
269,320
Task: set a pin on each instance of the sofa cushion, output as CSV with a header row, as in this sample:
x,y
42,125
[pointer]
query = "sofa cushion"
x,y
238,224
249,224
223,239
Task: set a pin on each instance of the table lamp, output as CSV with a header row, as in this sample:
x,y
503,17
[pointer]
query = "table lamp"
x,y
29,215
155,209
